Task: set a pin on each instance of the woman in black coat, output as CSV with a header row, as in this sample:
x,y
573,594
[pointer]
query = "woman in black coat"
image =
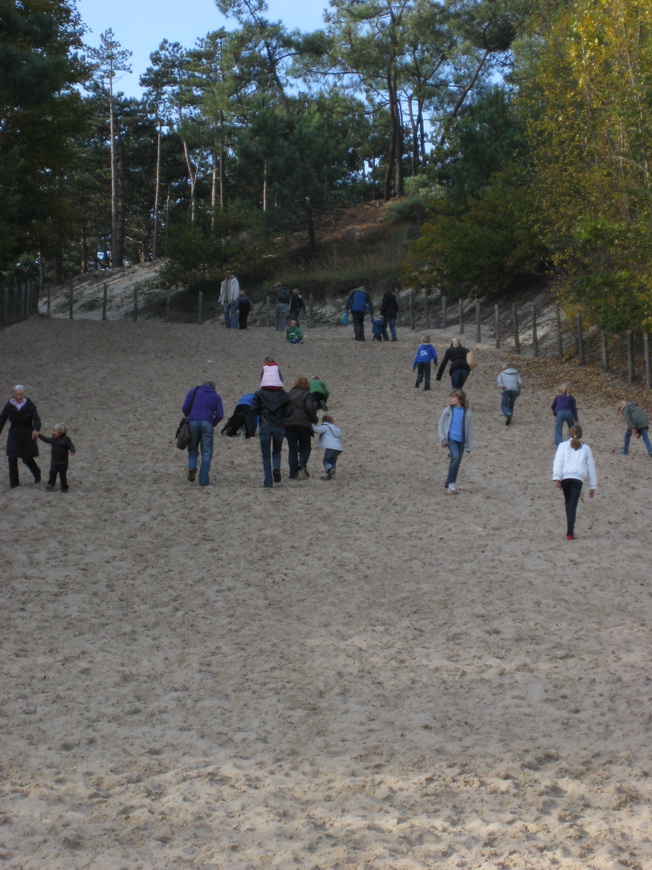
x,y
460,369
24,425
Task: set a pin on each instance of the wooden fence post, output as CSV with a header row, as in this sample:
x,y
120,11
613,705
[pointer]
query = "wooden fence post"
x,y
535,337
517,337
560,337
646,357
48,304
579,338
605,351
71,302
167,307
444,312
460,305
105,296
426,308
135,304
311,308
497,324
200,306
411,298
630,355
478,323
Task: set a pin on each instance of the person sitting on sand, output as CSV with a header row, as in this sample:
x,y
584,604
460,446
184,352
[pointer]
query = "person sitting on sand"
x,y
293,334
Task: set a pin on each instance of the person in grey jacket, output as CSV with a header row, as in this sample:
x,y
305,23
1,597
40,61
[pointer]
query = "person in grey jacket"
x,y
509,381
456,433
637,423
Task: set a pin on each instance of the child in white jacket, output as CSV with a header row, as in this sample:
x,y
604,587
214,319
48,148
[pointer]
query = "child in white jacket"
x,y
572,466
330,441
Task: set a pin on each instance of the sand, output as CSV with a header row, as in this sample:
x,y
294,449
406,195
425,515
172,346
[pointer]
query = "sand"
x,y
357,673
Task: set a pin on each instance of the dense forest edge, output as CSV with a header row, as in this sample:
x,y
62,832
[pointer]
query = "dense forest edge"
x,y
482,148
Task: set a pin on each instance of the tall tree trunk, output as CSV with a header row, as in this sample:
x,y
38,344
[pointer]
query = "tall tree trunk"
x,y
192,175
83,249
115,230
157,193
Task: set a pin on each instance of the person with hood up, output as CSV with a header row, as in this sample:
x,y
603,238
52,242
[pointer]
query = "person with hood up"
x,y
510,382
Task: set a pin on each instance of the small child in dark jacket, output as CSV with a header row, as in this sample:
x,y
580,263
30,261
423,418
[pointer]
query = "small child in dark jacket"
x,y
62,447
425,354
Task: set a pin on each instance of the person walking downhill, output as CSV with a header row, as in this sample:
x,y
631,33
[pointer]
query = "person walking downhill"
x,y
24,426
510,382
564,408
459,367
573,465
229,295
203,408
637,423
456,432
425,354
61,448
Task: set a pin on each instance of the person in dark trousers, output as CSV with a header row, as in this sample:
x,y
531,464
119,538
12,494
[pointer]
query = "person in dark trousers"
x,y
297,306
510,382
573,465
359,304
389,310
243,420
61,448
273,406
24,426
425,354
459,368
244,307
319,392
564,407
298,429
204,410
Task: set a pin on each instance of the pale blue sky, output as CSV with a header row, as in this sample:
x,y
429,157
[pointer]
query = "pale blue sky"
x,y
141,25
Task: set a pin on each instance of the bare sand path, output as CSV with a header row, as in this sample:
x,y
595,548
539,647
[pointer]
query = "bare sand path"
x,y
363,673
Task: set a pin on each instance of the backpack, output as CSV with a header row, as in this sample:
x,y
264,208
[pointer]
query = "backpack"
x,y
283,295
470,360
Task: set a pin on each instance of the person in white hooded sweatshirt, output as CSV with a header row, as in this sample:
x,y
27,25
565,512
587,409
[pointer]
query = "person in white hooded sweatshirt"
x,y
572,466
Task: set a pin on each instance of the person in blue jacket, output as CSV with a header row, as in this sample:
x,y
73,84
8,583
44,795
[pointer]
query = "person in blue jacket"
x,y
242,421
203,408
359,304
425,354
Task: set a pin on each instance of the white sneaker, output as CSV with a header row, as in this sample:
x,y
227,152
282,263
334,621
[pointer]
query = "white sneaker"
x,y
453,489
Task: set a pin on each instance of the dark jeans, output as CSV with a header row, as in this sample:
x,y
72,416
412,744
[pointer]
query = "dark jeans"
x,y
60,468
358,324
423,372
13,470
271,442
456,450
242,319
507,402
391,322
458,378
330,458
299,447
242,417
572,490
320,401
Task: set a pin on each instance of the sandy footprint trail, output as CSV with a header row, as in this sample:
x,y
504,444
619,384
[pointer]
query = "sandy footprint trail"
x,y
362,673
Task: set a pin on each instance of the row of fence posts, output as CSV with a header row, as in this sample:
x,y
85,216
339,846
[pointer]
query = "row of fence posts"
x,y
27,295
18,301
579,333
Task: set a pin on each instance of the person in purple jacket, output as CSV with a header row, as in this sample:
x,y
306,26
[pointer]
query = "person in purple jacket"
x,y
564,408
204,410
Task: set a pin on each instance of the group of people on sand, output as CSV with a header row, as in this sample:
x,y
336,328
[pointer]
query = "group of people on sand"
x,y
277,414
